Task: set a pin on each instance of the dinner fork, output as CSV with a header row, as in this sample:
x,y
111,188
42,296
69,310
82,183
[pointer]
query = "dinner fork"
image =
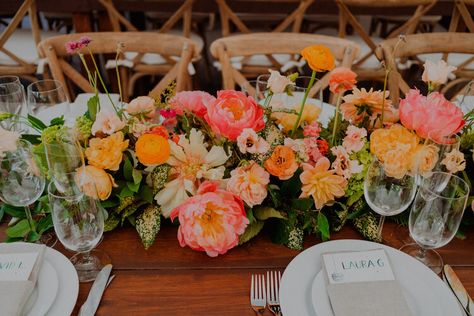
x,y
273,292
258,300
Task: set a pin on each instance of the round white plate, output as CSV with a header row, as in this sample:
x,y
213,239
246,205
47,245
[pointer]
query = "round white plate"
x,y
45,291
296,296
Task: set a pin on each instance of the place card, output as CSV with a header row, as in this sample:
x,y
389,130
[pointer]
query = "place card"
x,y
17,266
358,266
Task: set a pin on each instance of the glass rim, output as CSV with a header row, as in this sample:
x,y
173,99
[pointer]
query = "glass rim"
x,y
58,86
460,180
15,157
50,193
17,87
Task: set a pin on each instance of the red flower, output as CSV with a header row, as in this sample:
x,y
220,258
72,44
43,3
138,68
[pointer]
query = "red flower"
x,y
323,146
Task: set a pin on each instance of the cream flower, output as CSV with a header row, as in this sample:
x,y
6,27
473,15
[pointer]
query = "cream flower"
x,y
107,122
454,161
191,164
142,105
437,74
298,146
278,83
8,141
343,165
354,140
249,183
249,142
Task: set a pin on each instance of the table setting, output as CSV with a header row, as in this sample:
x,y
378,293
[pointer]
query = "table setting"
x,y
220,171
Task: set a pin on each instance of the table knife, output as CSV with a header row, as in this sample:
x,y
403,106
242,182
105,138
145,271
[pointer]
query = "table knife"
x,y
458,290
95,295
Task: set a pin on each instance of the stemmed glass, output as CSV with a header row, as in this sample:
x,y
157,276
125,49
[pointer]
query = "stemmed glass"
x,y
12,100
21,181
387,196
445,144
79,222
45,94
435,216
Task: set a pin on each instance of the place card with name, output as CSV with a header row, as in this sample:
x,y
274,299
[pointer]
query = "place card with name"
x,y
358,266
17,266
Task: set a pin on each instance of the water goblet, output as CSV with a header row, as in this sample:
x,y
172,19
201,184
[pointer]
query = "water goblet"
x,y
47,94
386,195
12,100
435,216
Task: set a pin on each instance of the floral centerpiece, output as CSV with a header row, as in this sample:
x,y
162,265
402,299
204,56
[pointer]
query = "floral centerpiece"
x,y
223,167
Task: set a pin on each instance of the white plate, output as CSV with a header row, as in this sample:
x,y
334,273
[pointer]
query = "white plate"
x,y
45,291
296,296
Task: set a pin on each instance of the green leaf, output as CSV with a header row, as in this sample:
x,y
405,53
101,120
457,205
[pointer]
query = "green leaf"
x,y
36,123
2,212
251,231
146,194
20,229
302,204
33,236
14,211
264,212
137,176
126,192
33,139
93,106
127,169
250,215
13,239
112,222
323,226
133,186
354,198
109,203
57,121
291,188
44,224
148,225
279,232
274,192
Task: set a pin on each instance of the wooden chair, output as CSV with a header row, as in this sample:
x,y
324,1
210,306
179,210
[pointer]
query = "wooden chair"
x,y
368,67
106,43
245,45
417,44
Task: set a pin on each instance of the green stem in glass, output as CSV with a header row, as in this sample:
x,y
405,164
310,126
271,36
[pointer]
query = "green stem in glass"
x,y
336,119
310,85
29,218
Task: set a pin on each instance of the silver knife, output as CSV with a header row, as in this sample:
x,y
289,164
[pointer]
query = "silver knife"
x,y
458,289
95,295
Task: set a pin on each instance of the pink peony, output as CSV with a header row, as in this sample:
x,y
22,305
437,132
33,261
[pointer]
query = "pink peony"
x,y
142,106
249,142
249,183
195,102
312,130
425,114
233,111
107,122
354,140
211,221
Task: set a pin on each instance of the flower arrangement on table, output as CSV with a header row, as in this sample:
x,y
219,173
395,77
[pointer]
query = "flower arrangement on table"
x,y
223,167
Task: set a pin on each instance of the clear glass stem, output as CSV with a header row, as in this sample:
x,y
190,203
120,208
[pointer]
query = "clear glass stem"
x,y
29,218
380,228
421,253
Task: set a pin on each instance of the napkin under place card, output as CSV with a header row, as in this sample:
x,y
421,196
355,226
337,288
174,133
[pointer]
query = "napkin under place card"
x,y
19,269
362,283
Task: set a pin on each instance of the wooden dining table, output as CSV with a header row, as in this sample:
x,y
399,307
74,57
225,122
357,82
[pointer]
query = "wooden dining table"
x,y
167,279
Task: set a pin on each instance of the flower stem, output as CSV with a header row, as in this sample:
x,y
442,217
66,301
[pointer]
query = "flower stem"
x,y
29,218
118,76
310,85
385,80
336,119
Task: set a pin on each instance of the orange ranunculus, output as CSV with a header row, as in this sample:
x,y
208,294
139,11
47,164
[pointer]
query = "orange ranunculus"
x,y
152,149
106,153
342,79
282,163
318,57
159,130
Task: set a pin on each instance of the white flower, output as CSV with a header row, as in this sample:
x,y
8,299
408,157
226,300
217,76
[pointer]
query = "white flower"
x,y
298,146
454,161
343,165
278,83
8,141
107,122
191,163
437,74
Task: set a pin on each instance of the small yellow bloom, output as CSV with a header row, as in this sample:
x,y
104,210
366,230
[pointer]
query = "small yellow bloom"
x,y
106,153
288,120
318,57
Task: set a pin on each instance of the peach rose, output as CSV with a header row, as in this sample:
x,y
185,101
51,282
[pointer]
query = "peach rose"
x,y
107,122
106,153
424,159
282,163
249,183
233,111
355,139
94,182
195,102
278,83
211,221
454,161
396,164
152,149
437,74
341,79
249,142
318,57
142,106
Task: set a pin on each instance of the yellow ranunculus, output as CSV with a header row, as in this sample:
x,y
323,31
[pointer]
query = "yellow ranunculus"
x,y
94,182
318,57
288,120
106,153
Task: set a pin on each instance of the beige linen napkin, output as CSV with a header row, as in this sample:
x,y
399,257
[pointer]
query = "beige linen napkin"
x,y
15,294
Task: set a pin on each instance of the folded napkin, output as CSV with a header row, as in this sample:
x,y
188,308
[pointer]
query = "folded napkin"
x,y
15,294
363,284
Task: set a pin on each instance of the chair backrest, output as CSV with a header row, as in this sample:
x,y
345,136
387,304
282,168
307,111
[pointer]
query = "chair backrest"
x,y
22,67
416,44
106,43
462,15
224,49
293,19
409,27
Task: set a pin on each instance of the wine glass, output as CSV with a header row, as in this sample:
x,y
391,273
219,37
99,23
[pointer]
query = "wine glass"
x,y
445,144
79,223
21,181
435,217
387,196
45,95
12,100
250,89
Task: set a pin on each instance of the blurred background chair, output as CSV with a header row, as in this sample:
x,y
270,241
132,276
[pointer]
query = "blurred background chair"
x,y
180,48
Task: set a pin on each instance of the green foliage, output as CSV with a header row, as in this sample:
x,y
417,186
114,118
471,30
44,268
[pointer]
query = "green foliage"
x,y
291,188
251,231
323,226
36,123
84,126
148,224
264,212
20,229
93,107
367,226
158,177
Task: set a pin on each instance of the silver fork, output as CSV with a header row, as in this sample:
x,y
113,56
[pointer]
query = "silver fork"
x,y
273,290
258,300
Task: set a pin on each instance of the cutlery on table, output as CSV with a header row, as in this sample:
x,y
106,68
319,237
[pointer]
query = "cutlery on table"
x,y
95,295
273,292
258,299
458,289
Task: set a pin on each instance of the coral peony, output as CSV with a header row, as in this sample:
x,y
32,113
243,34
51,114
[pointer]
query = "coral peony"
x,y
437,74
152,149
233,111
211,221
282,163
142,106
432,113
249,142
342,79
321,183
107,122
249,183
355,139
195,102
94,182
106,153
318,57
278,83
